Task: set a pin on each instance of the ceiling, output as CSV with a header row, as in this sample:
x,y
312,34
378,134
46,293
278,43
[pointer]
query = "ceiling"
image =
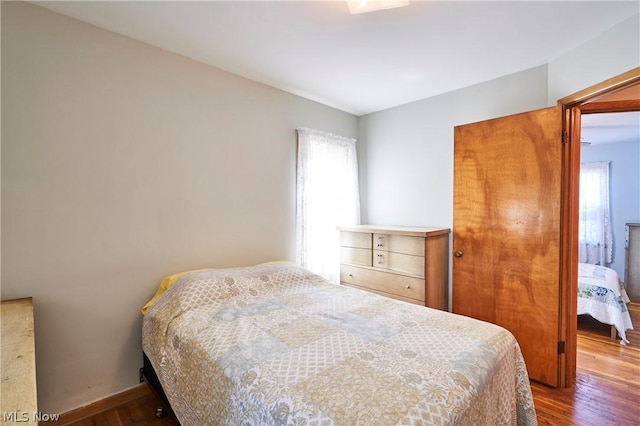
x,y
617,127
360,63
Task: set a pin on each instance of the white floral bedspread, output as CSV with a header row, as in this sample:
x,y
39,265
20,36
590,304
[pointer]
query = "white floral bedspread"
x,y
277,345
601,295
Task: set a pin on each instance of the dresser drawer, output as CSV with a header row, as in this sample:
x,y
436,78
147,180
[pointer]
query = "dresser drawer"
x,y
355,239
401,285
355,256
399,244
404,263
385,294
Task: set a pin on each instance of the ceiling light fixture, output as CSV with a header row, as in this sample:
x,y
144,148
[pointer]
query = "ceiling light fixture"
x,y
363,6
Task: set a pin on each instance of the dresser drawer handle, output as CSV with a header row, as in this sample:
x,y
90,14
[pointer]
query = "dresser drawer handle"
x,y
408,287
379,259
351,275
379,241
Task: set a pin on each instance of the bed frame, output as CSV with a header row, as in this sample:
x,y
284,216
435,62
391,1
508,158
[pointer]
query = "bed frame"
x,y
151,377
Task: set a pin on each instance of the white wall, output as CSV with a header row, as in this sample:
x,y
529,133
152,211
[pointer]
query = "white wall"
x,y
612,53
121,164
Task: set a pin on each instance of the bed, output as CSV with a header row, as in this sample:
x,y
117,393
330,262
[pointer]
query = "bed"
x,y
601,295
274,344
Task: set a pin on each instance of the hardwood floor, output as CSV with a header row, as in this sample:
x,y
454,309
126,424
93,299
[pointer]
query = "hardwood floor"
x,y
607,389
133,407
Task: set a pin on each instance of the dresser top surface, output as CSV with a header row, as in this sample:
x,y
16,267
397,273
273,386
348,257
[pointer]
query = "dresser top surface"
x,y
401,230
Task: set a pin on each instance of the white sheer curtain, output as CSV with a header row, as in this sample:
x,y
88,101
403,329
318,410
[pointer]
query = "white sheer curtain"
x,y
327,197
595,236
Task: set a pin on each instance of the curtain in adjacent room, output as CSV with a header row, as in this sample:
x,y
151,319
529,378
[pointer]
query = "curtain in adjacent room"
x,y
327,197
595,235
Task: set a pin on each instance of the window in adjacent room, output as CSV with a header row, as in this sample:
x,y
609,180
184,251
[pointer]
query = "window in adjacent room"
x,y
327,197
595,236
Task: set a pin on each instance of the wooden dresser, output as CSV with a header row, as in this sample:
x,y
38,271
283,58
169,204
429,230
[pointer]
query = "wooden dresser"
x,y
404,263
632,261
19,401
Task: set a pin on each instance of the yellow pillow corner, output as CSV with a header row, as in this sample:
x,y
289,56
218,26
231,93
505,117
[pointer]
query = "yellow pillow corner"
x,y
164,286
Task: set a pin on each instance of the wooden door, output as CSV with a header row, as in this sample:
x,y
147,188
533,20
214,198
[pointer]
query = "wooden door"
x,y
507,228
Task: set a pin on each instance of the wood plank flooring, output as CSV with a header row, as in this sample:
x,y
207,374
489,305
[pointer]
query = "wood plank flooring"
x,y
607,389
134,407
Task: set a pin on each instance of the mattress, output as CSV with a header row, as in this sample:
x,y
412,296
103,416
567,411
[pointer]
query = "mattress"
x,y
275,344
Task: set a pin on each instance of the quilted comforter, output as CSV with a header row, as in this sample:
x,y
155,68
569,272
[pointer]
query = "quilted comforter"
x,y
601,295
275,344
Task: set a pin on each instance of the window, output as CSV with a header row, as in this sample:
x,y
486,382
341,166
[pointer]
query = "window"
x,y
327,197
595,237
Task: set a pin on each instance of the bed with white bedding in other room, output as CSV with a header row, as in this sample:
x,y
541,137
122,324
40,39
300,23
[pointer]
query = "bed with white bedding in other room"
x,y
275,344
602,295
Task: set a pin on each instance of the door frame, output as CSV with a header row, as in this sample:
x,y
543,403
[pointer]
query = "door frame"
x,y
573,106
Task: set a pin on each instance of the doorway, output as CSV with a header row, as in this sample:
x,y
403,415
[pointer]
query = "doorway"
x,y
619,94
